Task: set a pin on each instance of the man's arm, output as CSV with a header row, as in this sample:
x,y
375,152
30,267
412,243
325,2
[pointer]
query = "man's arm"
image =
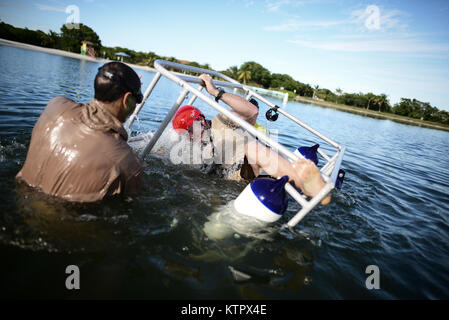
x,y
244,109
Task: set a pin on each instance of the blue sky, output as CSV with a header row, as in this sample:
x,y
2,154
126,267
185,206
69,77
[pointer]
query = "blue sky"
x,y
400,48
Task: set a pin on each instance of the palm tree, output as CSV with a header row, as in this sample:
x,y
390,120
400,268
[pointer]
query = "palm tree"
x,y
244,75
151,61
369,102
382,102
233,72
339,92
317,87
371,99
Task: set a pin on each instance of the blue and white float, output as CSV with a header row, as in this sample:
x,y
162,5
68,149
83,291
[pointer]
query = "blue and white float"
x,y
308,152
263,199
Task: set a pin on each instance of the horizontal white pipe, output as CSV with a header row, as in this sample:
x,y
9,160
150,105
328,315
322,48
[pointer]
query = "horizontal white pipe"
x,y
296,195
217,83
305,126
310,205
325,156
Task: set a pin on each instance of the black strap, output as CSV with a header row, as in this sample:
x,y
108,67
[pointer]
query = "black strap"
x,y
220,93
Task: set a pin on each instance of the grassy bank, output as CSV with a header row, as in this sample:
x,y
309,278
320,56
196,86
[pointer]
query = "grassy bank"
x,y
374,114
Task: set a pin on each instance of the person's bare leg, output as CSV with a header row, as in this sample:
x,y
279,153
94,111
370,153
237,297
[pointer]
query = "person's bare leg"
x,y
303,173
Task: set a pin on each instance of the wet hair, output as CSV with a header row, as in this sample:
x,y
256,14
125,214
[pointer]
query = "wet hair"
x,y
113,80
254,102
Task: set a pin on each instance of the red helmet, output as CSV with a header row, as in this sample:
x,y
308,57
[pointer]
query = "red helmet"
x,y
185,116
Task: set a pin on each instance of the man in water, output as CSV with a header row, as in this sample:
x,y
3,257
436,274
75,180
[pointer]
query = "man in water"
x,y
239,153
79,152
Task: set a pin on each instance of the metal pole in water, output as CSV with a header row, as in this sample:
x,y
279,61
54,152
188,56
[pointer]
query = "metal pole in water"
x,y
164,124
310,205
148,91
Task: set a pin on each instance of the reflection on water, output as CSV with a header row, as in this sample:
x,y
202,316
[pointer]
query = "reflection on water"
x,y
179,238
226,222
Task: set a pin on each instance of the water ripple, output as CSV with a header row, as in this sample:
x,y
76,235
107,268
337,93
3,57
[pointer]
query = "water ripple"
x,y
392,210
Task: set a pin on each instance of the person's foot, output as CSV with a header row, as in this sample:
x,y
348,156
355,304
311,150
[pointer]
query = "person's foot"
x,y
308,179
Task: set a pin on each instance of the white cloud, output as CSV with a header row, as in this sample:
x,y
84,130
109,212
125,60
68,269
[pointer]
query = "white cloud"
x,y
392,45
294,25
371,18
249,3
45,7
275,5
375,16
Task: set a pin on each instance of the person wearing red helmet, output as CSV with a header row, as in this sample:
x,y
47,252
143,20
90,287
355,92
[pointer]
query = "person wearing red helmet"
x,y
237,152
186,116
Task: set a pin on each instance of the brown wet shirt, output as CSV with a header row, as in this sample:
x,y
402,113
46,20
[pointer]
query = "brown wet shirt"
x,y
79,153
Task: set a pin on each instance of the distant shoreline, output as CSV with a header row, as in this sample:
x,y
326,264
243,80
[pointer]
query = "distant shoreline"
x,y
326,104
66,53
372,114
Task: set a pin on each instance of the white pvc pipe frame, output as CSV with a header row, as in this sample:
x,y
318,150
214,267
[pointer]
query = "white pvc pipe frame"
x,y
329,172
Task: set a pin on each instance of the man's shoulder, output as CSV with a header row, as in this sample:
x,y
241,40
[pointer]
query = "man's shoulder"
x,y
128,161
59,105
62,100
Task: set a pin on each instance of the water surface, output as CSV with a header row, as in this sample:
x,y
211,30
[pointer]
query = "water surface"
x,y
391,212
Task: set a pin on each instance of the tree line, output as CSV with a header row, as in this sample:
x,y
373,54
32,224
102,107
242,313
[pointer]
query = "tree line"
x,y
251,73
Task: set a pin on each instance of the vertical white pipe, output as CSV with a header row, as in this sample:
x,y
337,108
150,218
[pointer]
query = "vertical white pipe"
x,y
284,102
164,124
147,93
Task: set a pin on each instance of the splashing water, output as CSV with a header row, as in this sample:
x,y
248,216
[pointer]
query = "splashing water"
x,y
227,222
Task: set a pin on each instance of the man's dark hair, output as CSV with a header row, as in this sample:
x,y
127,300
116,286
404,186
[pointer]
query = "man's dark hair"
x,y
113,80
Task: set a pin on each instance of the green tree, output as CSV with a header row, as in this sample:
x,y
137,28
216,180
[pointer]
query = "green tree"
x,y
411,108
71,38
315,91
151,58
283,81
244,75
259,74
339,93
382,103
304,90
232,72
371,100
